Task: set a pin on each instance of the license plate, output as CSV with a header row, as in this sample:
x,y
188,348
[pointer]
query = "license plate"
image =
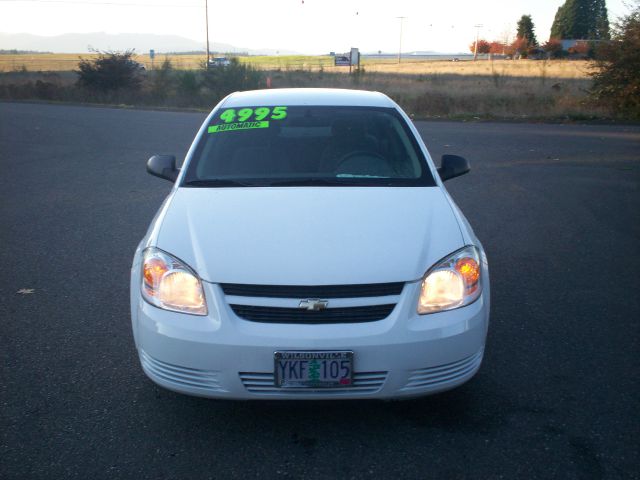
x,y
313,369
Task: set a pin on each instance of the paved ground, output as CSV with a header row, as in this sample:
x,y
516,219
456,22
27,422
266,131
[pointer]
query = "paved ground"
x,y
557,208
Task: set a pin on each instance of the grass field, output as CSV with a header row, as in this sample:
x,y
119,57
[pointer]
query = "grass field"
x,y
561,69
63,62
505,89
514,68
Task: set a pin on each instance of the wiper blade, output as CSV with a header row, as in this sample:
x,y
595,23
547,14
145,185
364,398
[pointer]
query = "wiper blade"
x,y
218,182
331,182
303,182
293,182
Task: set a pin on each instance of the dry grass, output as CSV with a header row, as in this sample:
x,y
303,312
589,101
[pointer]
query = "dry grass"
x,y
513,68
45,62
61,62
454,95
506,89
65,62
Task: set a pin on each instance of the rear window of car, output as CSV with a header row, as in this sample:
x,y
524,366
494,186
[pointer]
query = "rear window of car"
x,y
307,145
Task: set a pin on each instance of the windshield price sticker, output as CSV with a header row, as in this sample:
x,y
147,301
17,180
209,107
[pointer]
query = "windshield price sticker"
x,y
248,118
313,369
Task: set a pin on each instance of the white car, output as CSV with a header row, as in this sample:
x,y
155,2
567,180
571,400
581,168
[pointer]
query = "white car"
x,y
219,62
309,250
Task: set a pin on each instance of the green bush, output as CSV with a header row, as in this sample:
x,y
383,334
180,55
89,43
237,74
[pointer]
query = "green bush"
x,y
221,81
187,84
110,71
617,76
162,80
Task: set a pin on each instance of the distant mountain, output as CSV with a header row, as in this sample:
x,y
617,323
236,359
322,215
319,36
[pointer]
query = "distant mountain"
x,y
141,42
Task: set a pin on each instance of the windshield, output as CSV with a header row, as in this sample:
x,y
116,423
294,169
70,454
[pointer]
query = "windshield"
x,y
307,145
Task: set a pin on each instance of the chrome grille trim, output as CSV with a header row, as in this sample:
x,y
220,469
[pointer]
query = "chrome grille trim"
x,y
264,384
295,302
313,291
189,377
367,313
443,374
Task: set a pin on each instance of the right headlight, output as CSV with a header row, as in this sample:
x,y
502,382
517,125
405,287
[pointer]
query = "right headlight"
x,y
453,282
169,284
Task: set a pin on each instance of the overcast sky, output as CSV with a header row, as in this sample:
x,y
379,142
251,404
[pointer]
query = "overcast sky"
x,y
309,26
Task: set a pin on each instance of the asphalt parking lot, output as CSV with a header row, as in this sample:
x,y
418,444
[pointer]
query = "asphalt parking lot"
x,y
557,208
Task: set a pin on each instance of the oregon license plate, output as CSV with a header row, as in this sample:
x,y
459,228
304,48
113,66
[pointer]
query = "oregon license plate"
x,y
320,369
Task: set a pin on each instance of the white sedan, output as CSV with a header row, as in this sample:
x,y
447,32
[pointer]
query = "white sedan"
x,y
309,250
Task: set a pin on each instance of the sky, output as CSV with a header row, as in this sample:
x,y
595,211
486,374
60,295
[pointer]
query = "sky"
x,y
305,26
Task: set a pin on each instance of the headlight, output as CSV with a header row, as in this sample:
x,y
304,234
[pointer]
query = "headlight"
x,y
170,284
451,283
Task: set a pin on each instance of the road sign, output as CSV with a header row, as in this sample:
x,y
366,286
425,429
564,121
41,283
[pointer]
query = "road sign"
x,y
355,56
152,54
342,60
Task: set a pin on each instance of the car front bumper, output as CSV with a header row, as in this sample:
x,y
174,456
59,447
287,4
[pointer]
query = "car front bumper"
x,y
223,356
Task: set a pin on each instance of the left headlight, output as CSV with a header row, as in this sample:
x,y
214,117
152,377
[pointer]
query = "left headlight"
x,y
170,284
453,282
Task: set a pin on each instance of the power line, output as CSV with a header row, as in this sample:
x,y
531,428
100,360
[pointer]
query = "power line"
x,y
116,4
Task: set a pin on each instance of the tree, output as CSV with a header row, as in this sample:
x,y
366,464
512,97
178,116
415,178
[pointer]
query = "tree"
x,y
617,77
496,48
110,71
580,50
520,46
581,20
525,30
483,46
553,47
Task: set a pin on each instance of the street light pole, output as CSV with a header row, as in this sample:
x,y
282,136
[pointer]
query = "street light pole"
x,y
400,45
475,48
206,20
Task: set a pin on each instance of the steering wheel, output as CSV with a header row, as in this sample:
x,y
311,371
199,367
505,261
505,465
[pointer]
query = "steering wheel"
x,y
380,162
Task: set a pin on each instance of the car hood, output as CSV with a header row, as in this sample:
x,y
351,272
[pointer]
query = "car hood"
x,y
309,235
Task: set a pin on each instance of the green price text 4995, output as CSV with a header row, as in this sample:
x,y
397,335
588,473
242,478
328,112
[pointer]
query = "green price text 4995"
x,y
259,114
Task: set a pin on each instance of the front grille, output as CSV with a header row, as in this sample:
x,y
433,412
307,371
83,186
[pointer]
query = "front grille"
x,y
310,291
369,313
263,383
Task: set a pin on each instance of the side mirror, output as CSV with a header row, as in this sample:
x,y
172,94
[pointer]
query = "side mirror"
x,y
453,166
163,166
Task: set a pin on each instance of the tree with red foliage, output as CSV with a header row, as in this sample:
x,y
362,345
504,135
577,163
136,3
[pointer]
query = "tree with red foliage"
x,y
496,48
520,46
580,49
553,47
483,46
509,50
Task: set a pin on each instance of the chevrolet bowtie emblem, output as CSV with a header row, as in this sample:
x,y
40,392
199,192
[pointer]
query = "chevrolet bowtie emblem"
x,y
313,304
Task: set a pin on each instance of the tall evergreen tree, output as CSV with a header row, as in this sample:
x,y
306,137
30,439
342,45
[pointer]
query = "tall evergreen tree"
x,y
525,30
602,20
581,20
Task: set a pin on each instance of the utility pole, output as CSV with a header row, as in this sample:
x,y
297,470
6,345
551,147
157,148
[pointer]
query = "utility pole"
x,y
475,49
400,45
206,20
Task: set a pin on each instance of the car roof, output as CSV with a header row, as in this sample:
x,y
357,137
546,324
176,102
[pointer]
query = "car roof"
x,y
308,96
